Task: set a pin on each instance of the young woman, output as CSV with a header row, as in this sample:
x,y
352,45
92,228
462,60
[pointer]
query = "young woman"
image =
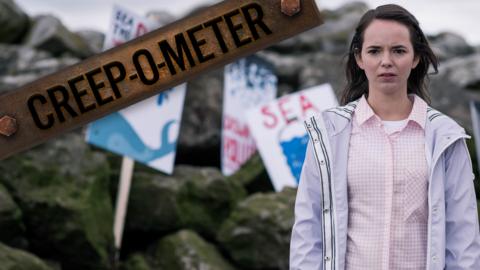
x,y
387,181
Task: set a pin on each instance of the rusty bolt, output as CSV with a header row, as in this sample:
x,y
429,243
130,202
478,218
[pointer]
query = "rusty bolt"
x,y
8,126
290,7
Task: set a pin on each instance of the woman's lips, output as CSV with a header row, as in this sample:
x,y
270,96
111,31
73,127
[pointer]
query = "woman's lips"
x,y
387,77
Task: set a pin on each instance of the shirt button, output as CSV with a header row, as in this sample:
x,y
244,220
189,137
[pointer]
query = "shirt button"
x,y
322,162
435,209
325,210
327,258
434,258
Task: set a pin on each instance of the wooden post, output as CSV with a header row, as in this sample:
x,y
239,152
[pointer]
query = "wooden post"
x,y
123,192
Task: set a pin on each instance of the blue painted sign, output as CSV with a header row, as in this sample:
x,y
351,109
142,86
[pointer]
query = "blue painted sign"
x,y
280,135
146,131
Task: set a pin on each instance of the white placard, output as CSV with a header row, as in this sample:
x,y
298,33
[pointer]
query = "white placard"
x,y
280,135
146,131
125,26
249,83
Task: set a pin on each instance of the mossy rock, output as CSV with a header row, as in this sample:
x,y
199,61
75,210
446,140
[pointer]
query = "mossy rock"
x,y
16,259
49,34
253,176
193,197
14,22
136,262
186,250
62,190
12,229
152,206
206,198
257,234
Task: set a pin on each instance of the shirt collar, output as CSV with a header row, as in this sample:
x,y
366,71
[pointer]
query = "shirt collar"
x,y
364,112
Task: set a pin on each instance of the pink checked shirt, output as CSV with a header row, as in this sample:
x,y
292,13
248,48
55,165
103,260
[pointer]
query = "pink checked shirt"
x,y
387,192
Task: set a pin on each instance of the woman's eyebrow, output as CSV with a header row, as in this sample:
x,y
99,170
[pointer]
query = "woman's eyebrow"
x,y
393,47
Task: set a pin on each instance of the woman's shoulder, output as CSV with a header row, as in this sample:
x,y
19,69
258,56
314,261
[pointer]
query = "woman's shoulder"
x,y
333,119
438,120
345,111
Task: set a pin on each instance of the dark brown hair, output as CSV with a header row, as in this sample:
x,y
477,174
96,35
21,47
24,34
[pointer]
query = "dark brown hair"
x,y
357,82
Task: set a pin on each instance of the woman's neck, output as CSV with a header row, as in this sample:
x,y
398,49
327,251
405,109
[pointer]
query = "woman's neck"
x,y
390,107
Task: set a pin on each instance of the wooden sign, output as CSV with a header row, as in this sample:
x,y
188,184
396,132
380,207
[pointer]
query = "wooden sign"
x,y
136,70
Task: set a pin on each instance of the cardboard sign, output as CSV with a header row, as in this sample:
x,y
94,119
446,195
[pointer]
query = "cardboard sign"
x,y
125,26
145,66
280,134
249,82
146,131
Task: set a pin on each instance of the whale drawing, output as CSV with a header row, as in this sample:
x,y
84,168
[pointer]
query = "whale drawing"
x,y
123,136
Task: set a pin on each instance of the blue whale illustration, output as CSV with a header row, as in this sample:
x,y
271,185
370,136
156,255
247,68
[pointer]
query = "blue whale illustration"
x,y
123,137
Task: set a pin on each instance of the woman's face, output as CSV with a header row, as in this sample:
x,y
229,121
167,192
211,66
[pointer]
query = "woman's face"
x,y
387,56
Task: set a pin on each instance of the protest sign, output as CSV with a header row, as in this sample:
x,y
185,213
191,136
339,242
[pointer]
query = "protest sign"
x,y
146,131
249,82
125,26
280,135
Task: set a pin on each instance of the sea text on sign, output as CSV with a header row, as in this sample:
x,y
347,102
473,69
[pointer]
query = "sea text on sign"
x,y
289,109
102,85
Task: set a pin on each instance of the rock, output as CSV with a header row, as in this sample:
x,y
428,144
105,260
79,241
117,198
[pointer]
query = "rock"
x,y
257,233
287,67
62,190
16,58
323,68
463,71
253,176
441,91
447,45
49,34
12,230
160,17
206,198
16,259
14,22
20,65
454,78
186,250
136,262
152,206
331,37
93,38
199,139
298,72
198,198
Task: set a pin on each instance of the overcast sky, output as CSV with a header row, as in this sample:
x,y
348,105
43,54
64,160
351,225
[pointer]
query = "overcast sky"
x,y
461,16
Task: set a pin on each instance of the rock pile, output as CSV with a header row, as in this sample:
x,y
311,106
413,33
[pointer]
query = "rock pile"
x,y
56,200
